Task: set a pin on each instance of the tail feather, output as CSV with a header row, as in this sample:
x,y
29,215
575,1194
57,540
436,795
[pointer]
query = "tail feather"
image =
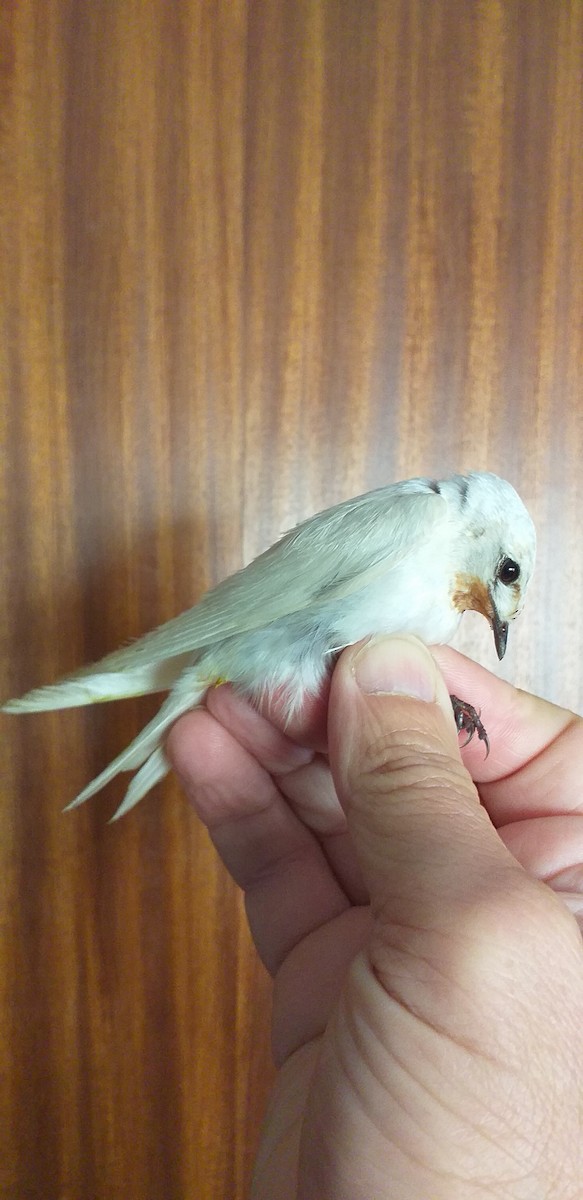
x,y
92,686
187,693
153,771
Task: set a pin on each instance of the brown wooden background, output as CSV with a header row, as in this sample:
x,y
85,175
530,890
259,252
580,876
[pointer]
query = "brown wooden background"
x,y
255,257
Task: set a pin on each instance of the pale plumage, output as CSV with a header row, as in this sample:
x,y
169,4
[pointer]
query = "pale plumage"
x,y
410,557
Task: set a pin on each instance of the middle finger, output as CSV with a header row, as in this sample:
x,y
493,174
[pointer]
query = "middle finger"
x,y
289,887
302,776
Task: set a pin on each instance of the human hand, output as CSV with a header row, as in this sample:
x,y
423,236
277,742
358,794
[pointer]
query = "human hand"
x,y
429,1045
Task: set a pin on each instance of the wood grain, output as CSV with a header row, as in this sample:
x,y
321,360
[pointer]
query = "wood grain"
x,y
255,257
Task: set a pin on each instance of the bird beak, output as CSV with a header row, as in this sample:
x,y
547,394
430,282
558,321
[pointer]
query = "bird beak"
x,y
471,593
500,631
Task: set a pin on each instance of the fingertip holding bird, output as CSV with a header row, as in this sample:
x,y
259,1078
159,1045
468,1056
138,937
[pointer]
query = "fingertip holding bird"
x,y
396,666
400,665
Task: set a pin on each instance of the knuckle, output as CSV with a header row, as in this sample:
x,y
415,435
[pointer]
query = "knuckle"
x,y
410,759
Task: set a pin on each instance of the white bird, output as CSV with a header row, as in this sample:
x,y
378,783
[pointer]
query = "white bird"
x,y
408,557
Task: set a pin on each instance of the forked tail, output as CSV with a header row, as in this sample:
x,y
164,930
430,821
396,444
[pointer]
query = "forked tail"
x,y
146,751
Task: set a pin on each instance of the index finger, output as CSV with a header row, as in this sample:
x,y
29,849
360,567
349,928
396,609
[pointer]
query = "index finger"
x,y
536,748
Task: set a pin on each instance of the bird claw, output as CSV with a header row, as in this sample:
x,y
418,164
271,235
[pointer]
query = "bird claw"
x,y
467,720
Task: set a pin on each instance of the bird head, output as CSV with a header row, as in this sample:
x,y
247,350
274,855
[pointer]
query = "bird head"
x,y
496,543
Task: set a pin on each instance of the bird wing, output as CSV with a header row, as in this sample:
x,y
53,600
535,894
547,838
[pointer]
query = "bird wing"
x,y
327,557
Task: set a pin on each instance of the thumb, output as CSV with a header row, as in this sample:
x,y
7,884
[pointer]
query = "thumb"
x,y
425,844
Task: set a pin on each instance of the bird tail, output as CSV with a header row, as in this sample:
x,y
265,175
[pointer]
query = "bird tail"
x,y
146,751
94,684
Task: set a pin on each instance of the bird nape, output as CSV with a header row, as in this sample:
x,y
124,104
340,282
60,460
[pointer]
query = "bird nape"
x,y
410,557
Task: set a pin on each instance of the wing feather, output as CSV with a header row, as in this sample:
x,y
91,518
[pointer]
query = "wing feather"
x,y
327,557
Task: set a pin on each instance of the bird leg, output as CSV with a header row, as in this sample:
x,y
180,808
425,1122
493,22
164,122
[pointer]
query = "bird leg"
x,y
468,721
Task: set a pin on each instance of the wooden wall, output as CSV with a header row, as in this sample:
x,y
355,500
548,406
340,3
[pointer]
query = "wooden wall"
x,y
256,257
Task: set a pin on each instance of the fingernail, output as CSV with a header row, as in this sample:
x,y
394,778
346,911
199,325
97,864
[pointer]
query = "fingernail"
x,y
395,666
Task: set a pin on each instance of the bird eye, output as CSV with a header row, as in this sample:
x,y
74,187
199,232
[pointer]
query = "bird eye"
x,y
508,571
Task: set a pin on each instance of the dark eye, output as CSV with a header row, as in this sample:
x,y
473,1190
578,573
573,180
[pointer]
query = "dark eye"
x,y
508,571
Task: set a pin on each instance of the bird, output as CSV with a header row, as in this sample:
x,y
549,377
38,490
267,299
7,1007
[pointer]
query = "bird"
x,y
408,557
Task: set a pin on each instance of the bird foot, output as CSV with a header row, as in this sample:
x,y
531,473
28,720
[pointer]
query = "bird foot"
x,y
467,720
